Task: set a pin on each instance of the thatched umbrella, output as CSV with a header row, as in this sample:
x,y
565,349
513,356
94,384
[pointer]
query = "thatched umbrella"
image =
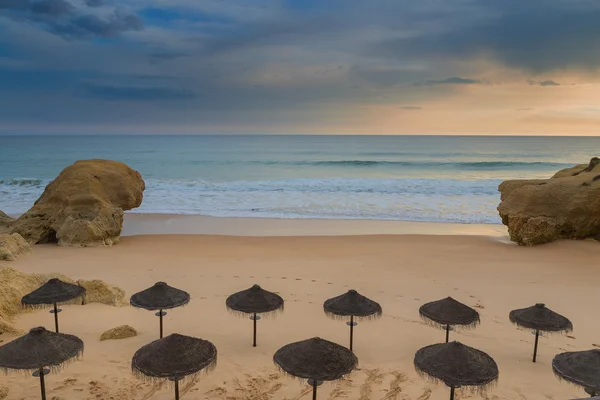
x,y
581,368
354,305
175,357
160,297
254,301
52,293
315,359
540,318
40,351
456,365
446,313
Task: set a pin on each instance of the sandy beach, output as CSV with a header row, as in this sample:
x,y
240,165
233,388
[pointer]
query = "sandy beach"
x,y
401,271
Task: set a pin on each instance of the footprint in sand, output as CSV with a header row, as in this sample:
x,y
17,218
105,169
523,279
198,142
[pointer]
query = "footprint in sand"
x,y
298,279
313,280
426,395
374,377
255,387
571,337
341,389
395,388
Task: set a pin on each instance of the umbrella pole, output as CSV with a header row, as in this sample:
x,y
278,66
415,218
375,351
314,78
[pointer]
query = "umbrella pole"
x,y
451,392
176,390
447,332
351,331
254,336
161,335
535,346
55,318
315,390
42,385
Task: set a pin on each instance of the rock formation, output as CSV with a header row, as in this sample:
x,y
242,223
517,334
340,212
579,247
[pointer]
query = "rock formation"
x,y
5,221
120,332
83,206
566,206
98,291
12,246
15,284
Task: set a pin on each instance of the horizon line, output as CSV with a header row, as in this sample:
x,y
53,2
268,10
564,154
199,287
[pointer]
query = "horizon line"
x,y
292,134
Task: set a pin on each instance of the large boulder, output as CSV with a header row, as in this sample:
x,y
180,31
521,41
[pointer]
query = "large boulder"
x,y
15,284
566,206
83,206
12,246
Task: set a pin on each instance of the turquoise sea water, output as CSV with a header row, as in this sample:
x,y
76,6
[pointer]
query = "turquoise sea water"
x,y
415,178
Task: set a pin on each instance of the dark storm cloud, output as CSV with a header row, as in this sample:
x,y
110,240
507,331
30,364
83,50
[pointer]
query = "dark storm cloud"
x,y
449,81
90,25
135,93
94,3
543,83
534,35
52,8
61,17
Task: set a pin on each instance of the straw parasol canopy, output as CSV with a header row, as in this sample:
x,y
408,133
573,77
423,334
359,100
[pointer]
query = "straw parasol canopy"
x,y
174,357
581,368
456,365
316,359
449,312
52,292
40,349
254,300
540,318
160,297
446,313
352,304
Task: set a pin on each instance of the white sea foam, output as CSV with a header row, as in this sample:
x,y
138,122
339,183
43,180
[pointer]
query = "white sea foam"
x,y
383,199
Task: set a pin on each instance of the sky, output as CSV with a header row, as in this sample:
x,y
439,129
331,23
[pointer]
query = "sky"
x,y
507,67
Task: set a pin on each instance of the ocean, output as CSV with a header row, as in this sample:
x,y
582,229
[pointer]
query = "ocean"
x,y
411,178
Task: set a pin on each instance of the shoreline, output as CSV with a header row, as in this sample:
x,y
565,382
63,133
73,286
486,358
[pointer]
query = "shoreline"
x,y
192,224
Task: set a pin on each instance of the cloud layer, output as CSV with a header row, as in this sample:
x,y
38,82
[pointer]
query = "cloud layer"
x,y
299,66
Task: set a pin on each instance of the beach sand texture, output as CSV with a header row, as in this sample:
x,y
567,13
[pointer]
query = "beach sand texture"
x,y
401,272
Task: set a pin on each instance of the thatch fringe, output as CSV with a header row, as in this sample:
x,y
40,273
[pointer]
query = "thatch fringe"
x,y
572,381
77,301
305,380
546,333
56,368
338,317
166,380
479,390
266,315
434,324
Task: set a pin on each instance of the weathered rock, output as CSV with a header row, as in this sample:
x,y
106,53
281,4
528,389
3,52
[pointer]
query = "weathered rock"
x,y
120,332
3,392
12,246
15,284
566,206
5,221
98,291
83,206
